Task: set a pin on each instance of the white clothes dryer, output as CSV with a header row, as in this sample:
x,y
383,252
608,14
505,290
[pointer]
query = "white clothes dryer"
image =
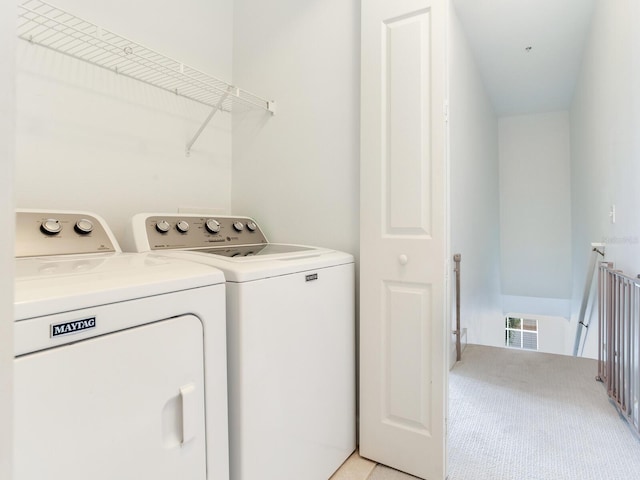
x,y
120,358
291,342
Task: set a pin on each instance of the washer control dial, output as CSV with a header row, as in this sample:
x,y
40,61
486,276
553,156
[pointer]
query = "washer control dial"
x,y
252,226
83,226
163,226
238,226
212,225
182,226
51,226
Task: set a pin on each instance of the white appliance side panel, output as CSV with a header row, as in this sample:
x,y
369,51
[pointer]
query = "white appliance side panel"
x,y
207,303
291,344
111,407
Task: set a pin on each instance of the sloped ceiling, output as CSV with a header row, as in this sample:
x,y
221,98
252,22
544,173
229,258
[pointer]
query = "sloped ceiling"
x,y
517,78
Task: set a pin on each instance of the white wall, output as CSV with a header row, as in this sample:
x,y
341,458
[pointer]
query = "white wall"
x,y
90,139
605,160
297,172
535,205
535,224
475,221
7,140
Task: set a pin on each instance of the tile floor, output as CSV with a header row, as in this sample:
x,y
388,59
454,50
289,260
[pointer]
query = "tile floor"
x,y
354,468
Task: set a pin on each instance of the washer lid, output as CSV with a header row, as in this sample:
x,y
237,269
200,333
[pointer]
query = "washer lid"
x,y
283,260
53,284
261,250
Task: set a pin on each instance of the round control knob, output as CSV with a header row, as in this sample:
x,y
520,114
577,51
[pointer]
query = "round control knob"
x,y
163,226
83,226
51,226
182,226
252,226
212,225
238,226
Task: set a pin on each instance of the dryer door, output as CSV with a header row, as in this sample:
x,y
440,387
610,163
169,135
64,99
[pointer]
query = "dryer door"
x,y
129,405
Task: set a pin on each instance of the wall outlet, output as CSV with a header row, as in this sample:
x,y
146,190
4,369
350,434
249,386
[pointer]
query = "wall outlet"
x,y
612,214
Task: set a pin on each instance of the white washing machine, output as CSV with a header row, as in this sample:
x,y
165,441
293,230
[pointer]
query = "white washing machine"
x,y
290,341
120,358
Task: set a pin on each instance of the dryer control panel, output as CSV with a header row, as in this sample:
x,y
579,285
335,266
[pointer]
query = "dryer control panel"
x,y
44,233
165,232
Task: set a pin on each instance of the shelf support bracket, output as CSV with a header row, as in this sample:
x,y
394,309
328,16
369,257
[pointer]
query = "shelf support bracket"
x,y
215,110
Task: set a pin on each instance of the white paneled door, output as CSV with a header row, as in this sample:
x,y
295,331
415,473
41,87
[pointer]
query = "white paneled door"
x,y
403,326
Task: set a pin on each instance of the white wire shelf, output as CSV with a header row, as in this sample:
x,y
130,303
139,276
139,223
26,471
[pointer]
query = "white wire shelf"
x,y
44,24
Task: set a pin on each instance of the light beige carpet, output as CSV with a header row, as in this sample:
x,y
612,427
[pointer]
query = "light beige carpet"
x,y
517,415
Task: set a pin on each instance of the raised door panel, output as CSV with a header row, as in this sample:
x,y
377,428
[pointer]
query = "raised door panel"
x,y
406,113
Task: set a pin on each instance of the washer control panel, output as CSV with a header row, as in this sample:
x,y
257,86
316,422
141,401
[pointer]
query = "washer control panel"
x,y
195,231
60,233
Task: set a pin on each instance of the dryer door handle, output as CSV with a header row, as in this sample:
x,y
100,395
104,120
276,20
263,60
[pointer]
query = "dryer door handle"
x,y
189,412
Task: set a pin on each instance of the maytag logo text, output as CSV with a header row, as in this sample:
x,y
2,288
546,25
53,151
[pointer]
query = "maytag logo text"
x,y
72,327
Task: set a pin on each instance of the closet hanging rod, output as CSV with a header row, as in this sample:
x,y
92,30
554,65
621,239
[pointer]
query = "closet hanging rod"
x,y
44,24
